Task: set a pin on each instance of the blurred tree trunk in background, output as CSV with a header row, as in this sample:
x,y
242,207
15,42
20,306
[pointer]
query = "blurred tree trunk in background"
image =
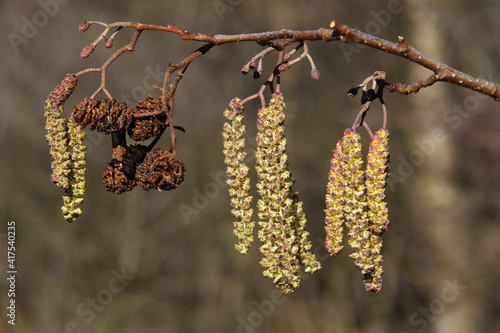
x,y
437,209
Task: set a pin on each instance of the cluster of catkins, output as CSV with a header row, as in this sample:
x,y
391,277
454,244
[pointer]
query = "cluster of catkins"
x,y
356,197
66,148
131,165
281,219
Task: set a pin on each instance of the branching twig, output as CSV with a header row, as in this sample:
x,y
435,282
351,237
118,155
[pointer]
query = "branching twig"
x,y
279,39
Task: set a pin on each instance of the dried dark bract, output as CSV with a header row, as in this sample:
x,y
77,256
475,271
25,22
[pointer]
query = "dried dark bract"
x,y
149,120
353,91
160,170
106,115
370,94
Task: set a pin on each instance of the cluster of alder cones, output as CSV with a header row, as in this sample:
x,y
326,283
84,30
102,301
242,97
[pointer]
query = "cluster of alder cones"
x,y
148,167
132,165
354,197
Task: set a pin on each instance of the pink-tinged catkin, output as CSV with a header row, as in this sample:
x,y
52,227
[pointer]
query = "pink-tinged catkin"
x,y
334,212
355,214
237,171
357,198
376,175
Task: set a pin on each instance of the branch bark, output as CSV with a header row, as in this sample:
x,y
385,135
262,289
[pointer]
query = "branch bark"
x,y
337,32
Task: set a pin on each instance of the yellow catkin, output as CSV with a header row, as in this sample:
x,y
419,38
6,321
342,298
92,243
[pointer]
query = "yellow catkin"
x,y
376,175
355,206
76,188
334,199
66,148
56,130
282,221
237,171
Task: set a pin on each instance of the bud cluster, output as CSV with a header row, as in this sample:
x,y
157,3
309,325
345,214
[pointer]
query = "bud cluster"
x,y
356,197
237,171
282,220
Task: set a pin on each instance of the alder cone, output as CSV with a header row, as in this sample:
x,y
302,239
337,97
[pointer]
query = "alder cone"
x,y
119,176
115,179
149,121
107,115
160,170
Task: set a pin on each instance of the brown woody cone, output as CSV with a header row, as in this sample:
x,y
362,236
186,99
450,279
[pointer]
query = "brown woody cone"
x,y
160,170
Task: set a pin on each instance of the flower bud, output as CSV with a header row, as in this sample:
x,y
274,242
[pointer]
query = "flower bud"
x,y
83,26
315,74
87,51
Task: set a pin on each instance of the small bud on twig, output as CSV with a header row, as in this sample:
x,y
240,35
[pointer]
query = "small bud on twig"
x,y
108,43
87,51
315,74
83,26
283,66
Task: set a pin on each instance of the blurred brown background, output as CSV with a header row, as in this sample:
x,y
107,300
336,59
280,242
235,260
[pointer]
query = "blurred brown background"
x,y
180,273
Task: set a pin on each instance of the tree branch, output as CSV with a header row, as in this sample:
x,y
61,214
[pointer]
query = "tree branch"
x,y
442,72
279,39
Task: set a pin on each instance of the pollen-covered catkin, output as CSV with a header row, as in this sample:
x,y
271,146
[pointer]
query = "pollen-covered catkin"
x,y
376,175
282,222
237,171
334,198
355,207
66,148
56,130
76,188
